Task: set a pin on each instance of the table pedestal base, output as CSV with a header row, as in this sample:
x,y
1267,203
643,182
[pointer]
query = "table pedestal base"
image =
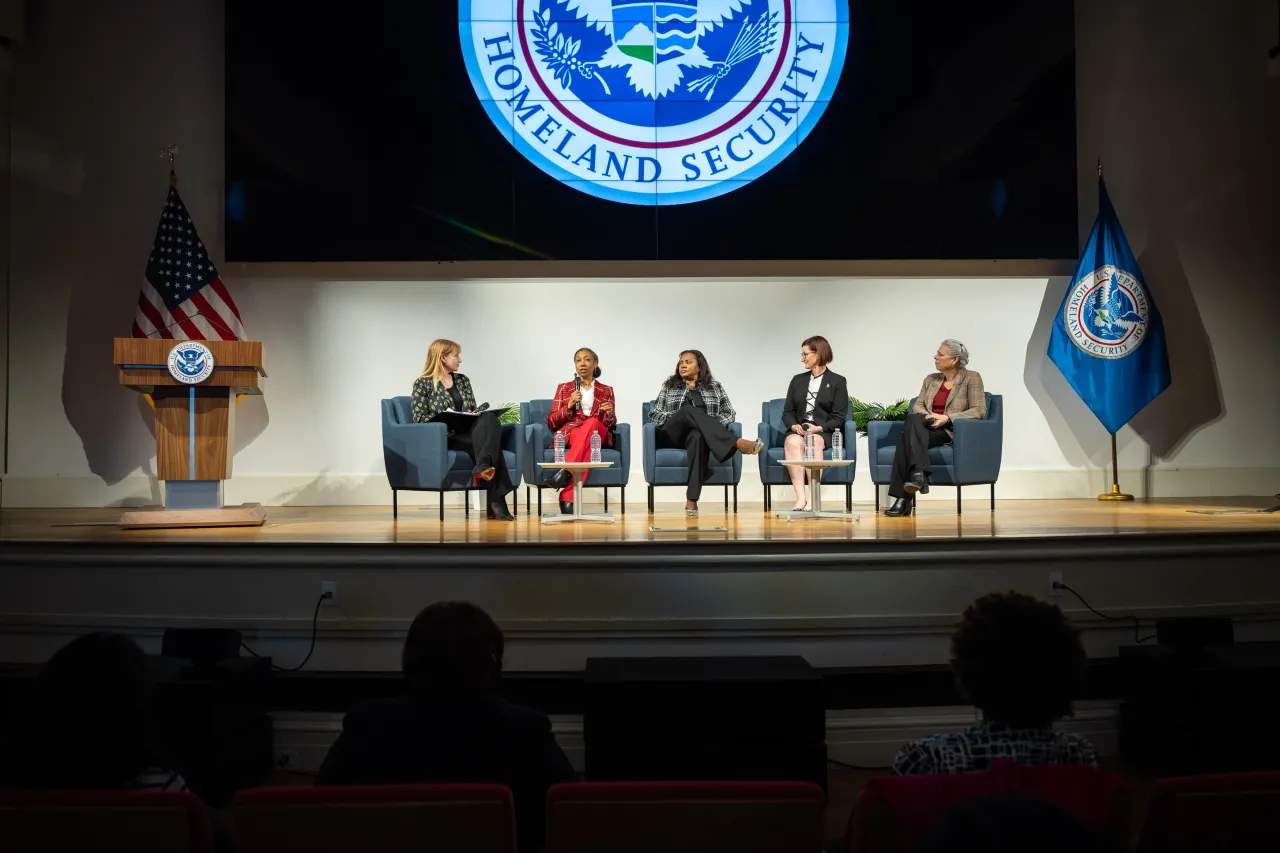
x,y
578,514
815,490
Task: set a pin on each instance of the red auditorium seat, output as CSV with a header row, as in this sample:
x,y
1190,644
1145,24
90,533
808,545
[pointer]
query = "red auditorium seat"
x,y
382,818
1229,813
893,813
103,822
685,817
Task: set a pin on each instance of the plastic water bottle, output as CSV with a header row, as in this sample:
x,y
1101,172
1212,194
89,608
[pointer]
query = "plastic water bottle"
x,y
837,446
808,445
595,447
559,445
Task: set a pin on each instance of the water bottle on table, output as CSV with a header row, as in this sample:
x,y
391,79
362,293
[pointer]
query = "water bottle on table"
x,y
559,447
595,447
837,445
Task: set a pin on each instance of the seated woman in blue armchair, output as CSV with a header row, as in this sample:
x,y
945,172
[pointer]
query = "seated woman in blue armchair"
x,y
953,393
441,388
693,411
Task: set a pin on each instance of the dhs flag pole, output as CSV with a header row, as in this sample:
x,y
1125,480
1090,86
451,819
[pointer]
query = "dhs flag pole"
x,y
1108,337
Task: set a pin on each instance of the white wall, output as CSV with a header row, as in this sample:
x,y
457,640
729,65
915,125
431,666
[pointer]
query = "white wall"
x,y
1178,104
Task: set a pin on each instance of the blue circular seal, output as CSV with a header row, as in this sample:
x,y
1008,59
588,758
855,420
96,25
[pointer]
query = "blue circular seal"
x,y
190,362
654,101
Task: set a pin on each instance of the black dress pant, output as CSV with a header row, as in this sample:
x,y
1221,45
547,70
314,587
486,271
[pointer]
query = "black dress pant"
x,y
913,452
702,437
484,443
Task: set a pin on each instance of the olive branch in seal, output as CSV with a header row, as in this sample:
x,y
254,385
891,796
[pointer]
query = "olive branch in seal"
x,y
560,52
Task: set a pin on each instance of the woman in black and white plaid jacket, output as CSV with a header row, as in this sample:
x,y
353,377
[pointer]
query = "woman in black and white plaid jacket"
x,y
693,411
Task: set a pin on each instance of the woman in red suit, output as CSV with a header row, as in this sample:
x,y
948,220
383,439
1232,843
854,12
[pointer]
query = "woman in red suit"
x,y
580,408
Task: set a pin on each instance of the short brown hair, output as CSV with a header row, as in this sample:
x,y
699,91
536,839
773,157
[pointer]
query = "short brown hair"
x,y
819,345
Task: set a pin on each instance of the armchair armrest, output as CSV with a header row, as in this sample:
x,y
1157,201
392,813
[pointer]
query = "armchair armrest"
x,y
978,446
650,451
415,455
622,443
736,459
538,437
849,432
882,434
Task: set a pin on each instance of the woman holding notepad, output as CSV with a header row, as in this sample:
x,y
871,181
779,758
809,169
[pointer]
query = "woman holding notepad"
x,y
441,388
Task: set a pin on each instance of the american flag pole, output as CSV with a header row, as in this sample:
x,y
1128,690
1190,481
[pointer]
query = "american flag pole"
x,y
182,296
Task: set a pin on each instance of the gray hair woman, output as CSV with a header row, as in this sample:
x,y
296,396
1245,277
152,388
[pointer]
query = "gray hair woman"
x,y
952,393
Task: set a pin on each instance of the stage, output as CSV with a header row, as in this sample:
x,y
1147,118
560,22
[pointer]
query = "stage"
x,y
1016,522
875,592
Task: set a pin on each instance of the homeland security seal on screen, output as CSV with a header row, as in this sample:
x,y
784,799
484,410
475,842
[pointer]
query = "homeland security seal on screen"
x,y
190,362
1107,312
654,101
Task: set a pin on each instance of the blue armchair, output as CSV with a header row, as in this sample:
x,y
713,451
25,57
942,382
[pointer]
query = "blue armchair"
x,y
973,457
669,466
538,448
774,473
418,457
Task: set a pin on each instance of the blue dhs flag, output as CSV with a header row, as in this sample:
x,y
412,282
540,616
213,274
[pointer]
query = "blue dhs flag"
x,y
1108,338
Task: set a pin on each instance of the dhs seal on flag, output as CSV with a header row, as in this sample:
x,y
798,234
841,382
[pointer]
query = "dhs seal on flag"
x,y
1107,312
654,101
190,362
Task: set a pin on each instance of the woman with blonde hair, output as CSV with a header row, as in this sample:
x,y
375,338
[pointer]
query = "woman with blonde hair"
x,y
442,388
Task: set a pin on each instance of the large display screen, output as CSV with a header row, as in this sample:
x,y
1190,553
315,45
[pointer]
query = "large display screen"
x,y
649,129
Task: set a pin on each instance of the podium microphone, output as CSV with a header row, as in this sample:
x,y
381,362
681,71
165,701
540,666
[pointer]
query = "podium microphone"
x,y
577,385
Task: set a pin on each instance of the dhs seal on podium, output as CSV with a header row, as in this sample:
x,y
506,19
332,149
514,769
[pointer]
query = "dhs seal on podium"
x,y
190,362
654,102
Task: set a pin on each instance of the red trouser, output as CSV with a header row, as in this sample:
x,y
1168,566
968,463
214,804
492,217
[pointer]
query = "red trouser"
x,y
577,447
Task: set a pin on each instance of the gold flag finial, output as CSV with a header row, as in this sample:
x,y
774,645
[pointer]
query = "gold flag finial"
x,y
170,153
1099,167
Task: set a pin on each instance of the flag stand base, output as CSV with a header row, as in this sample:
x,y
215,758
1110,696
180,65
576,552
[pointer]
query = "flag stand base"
x,y
1115,494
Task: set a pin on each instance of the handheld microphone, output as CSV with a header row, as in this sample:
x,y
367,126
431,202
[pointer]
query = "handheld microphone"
x,y
577,386
481,408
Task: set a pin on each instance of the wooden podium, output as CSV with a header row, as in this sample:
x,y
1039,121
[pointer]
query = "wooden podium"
x,y
195,429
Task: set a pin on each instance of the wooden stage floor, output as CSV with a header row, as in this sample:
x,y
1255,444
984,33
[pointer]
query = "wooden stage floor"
x,y
419,524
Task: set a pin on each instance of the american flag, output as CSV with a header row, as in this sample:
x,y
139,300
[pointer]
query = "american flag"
x,y
182,297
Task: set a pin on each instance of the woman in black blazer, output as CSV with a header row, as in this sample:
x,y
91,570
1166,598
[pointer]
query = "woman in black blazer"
x,y
817,402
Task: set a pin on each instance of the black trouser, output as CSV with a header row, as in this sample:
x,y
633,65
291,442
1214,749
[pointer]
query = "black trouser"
x,y
484,443
913,452
702,437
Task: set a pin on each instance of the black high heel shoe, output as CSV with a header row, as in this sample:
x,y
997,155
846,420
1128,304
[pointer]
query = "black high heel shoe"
x,y
917,482
900,507
498,510
559,479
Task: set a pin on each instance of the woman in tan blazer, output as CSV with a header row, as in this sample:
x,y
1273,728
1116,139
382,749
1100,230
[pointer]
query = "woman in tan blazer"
x,y
954,392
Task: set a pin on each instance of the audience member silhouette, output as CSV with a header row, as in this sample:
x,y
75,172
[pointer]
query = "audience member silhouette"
x,y
453,726
1021,663
89,723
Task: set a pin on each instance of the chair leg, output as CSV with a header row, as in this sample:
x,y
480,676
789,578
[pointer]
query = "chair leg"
x,y
876,486
848,497
395,505
624,500
515,501
651,500
993,497
606,498
539,501
766,498
735,498
726,498
441,494
958,509
466,503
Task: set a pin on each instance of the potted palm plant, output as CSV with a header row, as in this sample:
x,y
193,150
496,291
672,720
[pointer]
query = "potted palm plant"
x,y
862,413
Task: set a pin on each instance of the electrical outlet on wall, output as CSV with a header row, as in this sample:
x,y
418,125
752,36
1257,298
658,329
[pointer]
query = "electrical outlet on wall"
x,y
329,592
1054,579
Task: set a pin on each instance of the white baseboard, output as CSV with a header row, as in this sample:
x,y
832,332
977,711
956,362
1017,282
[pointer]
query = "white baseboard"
x,y
864,738
372,489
